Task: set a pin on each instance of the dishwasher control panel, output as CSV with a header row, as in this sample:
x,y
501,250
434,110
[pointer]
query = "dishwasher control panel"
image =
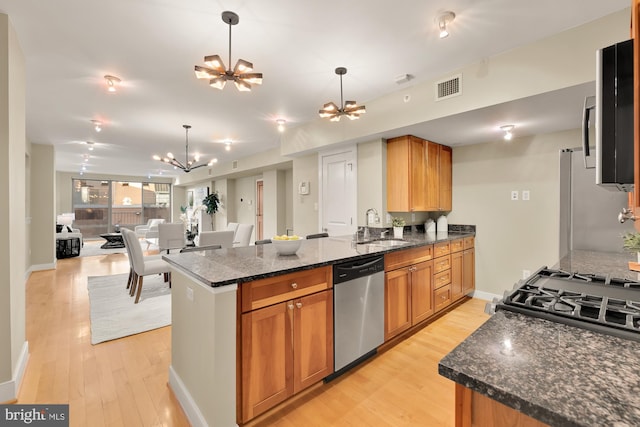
x,y
346,271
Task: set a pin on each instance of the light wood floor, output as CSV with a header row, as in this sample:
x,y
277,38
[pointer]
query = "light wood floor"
x,y
124,382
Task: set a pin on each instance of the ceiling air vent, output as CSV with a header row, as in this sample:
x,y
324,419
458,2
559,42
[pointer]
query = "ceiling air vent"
x,y
449,87
234,164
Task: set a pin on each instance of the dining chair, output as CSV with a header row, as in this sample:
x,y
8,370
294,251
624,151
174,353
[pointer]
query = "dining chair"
x,y
171,236
243,235
127,245
223,238
200,248
233,226
144,267
317,235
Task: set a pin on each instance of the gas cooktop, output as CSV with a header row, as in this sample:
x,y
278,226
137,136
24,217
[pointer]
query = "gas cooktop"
x,y
599,303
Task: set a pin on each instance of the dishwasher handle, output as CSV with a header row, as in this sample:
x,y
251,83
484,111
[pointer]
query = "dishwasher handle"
x,y
363,267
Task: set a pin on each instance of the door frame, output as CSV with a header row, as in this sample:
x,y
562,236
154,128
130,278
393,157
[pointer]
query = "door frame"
x,y
353,148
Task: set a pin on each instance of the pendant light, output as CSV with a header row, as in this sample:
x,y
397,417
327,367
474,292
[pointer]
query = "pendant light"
x,y
215,71
188,165
350,108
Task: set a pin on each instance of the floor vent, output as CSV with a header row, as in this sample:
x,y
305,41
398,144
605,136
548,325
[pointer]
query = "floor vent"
x,y
234,164
450,87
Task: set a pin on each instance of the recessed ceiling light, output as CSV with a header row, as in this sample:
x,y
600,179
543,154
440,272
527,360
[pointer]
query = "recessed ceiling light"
x,y
112,81
89,145
281,123
507,129
97,125
227,145
445,19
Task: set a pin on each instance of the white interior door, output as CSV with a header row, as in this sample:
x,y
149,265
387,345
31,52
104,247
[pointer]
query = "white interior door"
x,y
339,191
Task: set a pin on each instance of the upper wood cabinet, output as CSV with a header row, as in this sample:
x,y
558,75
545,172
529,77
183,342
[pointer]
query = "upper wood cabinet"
x,y
418,175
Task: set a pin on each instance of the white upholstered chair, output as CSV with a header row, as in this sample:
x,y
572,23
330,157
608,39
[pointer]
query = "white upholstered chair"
x,y
142,266
233,226
149,230
171,236
223,238
243,235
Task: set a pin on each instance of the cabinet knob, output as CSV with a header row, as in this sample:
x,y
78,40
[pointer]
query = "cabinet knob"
x,y
299,304
290,306
294,285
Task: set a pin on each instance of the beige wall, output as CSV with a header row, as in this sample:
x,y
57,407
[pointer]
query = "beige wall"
x,y
43,193
13,210
305,216
511,235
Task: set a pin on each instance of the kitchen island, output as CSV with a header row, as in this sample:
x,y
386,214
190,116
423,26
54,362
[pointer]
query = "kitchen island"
x,y
205,310
557,374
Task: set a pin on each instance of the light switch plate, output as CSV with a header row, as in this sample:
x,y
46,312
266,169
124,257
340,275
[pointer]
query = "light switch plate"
x,y
525,194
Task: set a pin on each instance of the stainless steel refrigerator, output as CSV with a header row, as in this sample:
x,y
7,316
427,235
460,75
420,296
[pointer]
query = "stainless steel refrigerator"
x,y
588,212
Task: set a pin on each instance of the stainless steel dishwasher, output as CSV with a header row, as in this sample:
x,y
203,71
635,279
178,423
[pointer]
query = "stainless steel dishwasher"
x,y
358,297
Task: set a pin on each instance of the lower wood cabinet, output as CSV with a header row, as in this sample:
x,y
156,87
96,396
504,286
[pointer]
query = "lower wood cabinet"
x,y
408,297
463,270
284,347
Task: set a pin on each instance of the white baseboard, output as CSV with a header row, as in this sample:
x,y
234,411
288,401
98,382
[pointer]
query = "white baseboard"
x,y
186,401
485,295
40,267
9,389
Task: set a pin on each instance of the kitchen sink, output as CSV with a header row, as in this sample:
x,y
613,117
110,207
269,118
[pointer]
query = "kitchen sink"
x,y
386,243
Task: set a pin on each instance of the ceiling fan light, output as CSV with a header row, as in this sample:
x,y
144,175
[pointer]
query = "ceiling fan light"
x,y
353,116
215,62
204,73
253,78
156,157
242,85
350,104
242,66
218,82
330,106
324,114
358,110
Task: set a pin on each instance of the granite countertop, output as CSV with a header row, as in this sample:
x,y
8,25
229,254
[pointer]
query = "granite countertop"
x,y
226,266
555,373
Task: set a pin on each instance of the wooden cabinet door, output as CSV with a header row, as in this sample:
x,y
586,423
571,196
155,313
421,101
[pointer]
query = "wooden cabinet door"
x,y
431,186
267,358
456,275
468,270
312,339
418,175
421,291
397,302
445,177
398,174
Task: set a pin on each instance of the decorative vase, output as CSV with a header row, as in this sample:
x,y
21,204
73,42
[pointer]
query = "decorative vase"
x,y
397,232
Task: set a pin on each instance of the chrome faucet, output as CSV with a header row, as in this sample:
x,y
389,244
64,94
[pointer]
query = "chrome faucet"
x,y
366,221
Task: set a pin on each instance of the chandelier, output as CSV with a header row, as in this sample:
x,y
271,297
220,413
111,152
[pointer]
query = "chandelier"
x,y
189,165
350,108
216,73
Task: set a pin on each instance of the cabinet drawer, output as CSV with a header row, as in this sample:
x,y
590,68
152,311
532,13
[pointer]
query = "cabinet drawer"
x,y
441,264
457,245
399,259
442,297
272,290
440,249
469,242
441,279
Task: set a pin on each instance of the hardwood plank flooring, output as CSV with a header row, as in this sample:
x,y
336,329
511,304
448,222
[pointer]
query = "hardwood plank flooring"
x,y
124,382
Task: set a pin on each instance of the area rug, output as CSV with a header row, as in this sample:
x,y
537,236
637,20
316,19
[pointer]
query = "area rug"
x,y
92,248
113,313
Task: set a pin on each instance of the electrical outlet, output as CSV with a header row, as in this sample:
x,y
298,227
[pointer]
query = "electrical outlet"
x,y
413,217
388,218
190,294
525,194
514,195
526,274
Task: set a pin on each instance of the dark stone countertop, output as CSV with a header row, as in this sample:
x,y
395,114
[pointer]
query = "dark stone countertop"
x,y
557,374
226,266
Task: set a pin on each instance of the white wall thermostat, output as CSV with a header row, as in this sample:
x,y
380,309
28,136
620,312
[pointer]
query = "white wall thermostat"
x,y
303,187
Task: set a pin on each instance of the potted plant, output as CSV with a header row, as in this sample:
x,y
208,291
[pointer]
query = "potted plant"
x,y
398,227
631,243
212,204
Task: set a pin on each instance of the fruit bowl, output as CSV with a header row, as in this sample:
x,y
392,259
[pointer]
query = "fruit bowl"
x,y
286,247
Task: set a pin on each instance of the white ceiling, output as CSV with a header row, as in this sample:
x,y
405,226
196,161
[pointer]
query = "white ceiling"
x,y
153,45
